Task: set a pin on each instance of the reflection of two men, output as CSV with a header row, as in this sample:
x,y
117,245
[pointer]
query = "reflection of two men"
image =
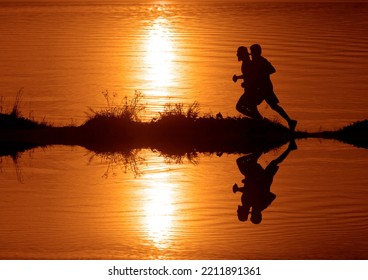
x,y
256,194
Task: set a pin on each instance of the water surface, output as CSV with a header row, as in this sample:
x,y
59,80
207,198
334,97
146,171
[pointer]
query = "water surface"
x,y
64,56
63,205
62,202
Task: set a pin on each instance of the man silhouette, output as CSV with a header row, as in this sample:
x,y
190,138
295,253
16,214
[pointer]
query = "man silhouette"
x,y
247,103
262,69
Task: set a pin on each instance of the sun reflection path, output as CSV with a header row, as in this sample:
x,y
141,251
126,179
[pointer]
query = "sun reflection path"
x,y
160,57
159,208
160,73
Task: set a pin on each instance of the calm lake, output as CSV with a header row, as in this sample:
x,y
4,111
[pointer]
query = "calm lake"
x,y
62,202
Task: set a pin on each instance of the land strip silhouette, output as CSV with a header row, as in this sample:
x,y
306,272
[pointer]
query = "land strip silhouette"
x,y
179,129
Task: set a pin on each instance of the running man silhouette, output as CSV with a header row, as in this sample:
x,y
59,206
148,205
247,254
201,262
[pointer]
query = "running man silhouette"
x,y
262,69
247,103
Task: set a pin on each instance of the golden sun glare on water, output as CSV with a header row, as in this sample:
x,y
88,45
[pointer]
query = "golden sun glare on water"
x,y
159,57
159,208
160,200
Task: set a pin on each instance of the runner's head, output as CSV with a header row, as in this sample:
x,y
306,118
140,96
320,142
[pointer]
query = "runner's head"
x,y
242,53
255,50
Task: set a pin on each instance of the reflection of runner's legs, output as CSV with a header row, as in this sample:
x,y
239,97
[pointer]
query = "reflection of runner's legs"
x,y
292,147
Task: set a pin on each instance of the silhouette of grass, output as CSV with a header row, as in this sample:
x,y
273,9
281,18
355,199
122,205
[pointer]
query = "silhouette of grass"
x,y
355,134
15,112
178,131
178,128
14,118
127,110
115,133
179,111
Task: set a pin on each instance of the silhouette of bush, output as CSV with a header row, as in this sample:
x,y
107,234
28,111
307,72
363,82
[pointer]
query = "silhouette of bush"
x,y
178,124
355,134
177,111
126,110
15,120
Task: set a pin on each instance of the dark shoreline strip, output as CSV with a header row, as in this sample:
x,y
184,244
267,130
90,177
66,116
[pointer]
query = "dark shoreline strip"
x,y
175,135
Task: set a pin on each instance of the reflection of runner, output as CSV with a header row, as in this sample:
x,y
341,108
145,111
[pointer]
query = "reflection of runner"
x,y
256,194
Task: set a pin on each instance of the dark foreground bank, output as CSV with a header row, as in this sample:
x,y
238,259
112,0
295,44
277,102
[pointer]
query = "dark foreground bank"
x,y
170,133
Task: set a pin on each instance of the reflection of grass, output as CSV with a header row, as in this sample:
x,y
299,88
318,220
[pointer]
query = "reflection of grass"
x,y
129,160
115,134
179,158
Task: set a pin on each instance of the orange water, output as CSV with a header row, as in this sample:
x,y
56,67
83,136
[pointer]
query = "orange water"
x,y
58,203
65,56
62,205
